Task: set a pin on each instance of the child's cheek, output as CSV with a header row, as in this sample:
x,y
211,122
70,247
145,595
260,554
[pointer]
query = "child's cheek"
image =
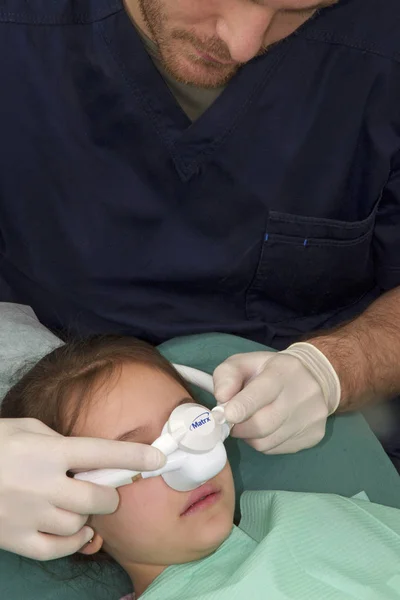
x,y
141,496
141,508
131,513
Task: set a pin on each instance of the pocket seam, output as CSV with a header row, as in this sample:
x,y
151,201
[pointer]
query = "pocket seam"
x,y
280,217
315,242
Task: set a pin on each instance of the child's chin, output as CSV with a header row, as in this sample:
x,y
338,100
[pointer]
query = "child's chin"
x,y
214,534
206,545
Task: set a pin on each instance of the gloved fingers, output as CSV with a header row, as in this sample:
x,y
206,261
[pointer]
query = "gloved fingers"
x,y
43,546
91,453
85,498
29,425
298,443
257,394
276,439
56,521
264,423
286,441
231,375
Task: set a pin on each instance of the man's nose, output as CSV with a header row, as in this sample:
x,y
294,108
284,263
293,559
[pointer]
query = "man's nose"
x,y
243,30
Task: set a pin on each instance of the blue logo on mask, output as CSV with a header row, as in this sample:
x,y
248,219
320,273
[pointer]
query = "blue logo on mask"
x,y
200,421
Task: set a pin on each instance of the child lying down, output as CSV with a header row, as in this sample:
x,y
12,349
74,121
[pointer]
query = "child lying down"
x,y
183,545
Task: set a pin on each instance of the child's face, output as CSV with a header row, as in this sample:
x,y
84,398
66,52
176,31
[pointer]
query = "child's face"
x,y
151,526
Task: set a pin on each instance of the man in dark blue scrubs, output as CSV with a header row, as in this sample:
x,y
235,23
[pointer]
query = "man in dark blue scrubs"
x,y
170,167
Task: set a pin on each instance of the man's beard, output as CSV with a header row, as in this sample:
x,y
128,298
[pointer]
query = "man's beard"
x,y
208,74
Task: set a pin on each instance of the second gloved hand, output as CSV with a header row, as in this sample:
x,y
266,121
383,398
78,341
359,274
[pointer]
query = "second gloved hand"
x,y
42,511
278,401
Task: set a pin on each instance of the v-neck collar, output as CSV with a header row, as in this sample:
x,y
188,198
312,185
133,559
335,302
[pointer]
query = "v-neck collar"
x,y
193,100
189,144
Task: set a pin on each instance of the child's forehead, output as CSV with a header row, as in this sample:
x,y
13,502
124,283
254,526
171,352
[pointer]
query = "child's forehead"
x,y
134,406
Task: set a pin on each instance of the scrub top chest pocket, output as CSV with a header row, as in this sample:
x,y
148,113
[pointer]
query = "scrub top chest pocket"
x,y
312,265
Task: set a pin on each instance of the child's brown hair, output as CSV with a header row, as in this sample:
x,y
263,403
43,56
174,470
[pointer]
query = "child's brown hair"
x,y
59,387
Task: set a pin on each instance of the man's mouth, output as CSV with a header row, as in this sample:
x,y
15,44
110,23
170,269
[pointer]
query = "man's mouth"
x,y
212,59
202,498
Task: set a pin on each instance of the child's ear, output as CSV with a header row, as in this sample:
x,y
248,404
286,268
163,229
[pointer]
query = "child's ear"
x,y
93,546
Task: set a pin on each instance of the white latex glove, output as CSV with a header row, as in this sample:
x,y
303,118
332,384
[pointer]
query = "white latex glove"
x,y
281,399
42,511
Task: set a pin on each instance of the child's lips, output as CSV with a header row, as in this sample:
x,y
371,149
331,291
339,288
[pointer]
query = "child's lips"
x,y
205,496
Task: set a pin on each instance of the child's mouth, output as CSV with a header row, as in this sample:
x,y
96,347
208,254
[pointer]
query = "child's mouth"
x,y
203,498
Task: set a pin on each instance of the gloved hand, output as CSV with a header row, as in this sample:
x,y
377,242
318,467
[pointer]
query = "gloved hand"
x,y
278,401
42,511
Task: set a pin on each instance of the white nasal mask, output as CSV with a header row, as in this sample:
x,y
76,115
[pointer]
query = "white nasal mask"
x,y
192,439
